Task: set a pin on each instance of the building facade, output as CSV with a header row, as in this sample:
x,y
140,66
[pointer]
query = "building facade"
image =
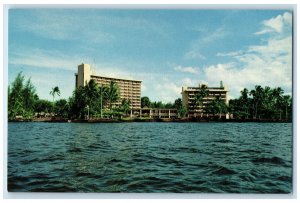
x,y
188,98
129,89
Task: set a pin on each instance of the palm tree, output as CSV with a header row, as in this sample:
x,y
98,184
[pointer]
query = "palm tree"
x,y
125,105
245,101
287,101
220,105
257,95
91,92
103,92
199,96
277,95
267,102
53,92
113,94
78,102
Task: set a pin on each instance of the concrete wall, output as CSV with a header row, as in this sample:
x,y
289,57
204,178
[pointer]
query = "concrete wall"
x,y
84,74
185,97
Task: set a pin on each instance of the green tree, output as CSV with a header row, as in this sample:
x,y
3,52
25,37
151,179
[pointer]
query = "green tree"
x,y
169,105
78,103
245,102
211,108
257,95
265,103
287,102
220,105
178,103
91,92
15,99
21,98
44,106
235,108
268,102
113,94
199,97
54,91
277,95
125,106
158,104
181,110
145,102
62,108
216,106
103,99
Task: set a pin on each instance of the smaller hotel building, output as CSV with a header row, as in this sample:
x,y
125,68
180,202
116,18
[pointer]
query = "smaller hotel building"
x,y
129,89
188,97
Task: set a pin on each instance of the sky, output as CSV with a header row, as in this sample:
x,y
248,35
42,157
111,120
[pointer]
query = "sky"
x,y
165,49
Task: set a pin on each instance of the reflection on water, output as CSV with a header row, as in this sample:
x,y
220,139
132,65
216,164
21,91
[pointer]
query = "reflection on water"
x,y
150,157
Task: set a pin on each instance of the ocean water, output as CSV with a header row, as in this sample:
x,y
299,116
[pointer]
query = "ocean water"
x,y
150,157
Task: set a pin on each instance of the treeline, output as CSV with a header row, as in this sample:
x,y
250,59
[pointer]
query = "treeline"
x,y
86,102
23,101
262,103
94,101
90,101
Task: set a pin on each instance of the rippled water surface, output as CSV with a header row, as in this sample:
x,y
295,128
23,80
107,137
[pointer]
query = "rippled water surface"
x,y
150,157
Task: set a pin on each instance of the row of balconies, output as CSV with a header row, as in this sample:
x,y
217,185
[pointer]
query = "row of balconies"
x,y
130,95
207,98
210,93
130,90
121,83
114,79
204,102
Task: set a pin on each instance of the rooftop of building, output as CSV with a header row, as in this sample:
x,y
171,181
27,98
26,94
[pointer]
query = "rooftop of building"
x,y
99,76
197,88
106,77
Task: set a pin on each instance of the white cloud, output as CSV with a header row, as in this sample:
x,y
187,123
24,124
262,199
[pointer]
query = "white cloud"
x,y
42,58
188,82
143,87
267,65
188,69
204,39
166,91
194,55
274,47
230,54
219,33
276,24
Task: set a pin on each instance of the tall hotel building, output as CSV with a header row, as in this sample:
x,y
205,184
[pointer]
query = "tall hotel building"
x,y
188,97
129,89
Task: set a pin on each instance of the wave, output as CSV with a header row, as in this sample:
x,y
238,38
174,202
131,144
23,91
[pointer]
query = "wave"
x,y
222,170
272,160
54,189
75,149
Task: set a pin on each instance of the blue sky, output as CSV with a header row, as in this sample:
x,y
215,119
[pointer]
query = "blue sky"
x,y
166,49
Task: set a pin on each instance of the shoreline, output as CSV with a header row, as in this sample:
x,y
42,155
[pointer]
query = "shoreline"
x,y
168,120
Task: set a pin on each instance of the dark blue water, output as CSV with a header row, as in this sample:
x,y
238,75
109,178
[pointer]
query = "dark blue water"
x,y
150,157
